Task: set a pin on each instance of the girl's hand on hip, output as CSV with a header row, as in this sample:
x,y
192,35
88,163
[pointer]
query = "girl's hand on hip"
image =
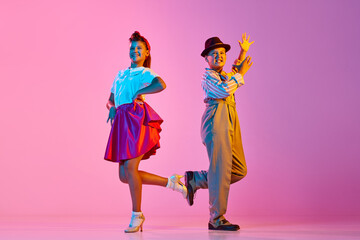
x,y
138,98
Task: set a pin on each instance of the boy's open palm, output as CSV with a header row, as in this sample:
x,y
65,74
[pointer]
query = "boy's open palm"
x,y
245,44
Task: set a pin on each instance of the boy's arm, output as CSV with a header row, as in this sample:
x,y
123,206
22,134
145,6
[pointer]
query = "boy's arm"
x,y
244,45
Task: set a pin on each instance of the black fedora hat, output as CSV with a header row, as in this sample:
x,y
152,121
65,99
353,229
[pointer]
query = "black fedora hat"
x,y
213,43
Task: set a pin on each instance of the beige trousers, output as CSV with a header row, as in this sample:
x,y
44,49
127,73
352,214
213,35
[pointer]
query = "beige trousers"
x,y
220,132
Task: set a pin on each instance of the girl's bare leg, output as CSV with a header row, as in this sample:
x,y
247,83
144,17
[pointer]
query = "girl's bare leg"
x,y
146,178
128,172
134,181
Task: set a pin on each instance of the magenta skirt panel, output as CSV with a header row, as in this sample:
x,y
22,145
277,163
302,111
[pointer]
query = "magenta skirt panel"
x,y
135,132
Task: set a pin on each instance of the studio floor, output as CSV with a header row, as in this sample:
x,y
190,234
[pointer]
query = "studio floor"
x,y
155,227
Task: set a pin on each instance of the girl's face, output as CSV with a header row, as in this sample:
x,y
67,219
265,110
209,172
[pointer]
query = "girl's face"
x,y
216,58
138,52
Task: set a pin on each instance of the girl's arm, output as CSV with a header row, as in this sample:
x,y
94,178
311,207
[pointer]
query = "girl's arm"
x,y
112,110
157,85
110,103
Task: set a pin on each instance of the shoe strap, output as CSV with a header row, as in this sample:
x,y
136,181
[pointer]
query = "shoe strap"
x,y
224,222
134,218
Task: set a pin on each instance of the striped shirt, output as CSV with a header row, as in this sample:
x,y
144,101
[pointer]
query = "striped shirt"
x,y
218,86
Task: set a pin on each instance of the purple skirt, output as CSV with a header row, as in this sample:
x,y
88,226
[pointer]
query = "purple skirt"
x,y
135,132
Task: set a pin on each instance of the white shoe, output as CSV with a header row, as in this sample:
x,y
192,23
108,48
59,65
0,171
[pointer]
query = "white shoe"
x,y
175,184
136,223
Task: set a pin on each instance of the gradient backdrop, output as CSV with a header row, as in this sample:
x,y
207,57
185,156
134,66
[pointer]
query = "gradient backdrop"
x,y
299,110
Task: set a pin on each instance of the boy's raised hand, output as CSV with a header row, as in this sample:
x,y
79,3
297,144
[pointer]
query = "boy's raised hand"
x,y
245,44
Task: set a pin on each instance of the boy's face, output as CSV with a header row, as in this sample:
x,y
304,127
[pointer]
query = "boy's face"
x,y
216,58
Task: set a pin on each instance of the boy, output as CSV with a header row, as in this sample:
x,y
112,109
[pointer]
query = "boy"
x,y
220,131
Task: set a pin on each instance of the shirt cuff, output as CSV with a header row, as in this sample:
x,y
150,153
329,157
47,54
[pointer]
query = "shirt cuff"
x,y
238,78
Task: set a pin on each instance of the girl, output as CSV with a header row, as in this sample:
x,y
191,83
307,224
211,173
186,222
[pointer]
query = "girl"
x,y
135,128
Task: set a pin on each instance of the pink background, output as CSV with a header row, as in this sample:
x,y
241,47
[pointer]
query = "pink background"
x,y
299,109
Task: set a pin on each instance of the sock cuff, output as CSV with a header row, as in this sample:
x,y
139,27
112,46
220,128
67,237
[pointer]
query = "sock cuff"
x,y
169,183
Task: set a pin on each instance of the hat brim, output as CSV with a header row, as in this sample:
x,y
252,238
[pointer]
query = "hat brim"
x,y
207,50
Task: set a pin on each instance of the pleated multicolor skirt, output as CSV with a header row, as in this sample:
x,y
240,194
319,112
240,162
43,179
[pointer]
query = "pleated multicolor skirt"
x,y
135,132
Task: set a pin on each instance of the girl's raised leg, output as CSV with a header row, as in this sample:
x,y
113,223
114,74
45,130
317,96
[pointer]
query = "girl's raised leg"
x,y
172,182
